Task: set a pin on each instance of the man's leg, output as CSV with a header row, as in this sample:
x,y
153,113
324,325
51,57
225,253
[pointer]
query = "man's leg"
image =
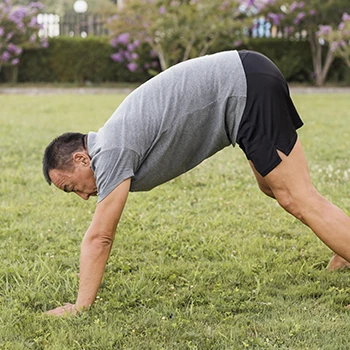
x,y
291,185
337,262
264,187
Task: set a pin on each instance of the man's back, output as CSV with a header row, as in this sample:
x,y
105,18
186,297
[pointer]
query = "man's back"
x,y
170,124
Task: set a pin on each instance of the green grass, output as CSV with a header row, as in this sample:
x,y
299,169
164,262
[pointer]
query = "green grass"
x,y
203,262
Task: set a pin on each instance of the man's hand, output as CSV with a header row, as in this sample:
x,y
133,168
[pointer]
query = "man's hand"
x,y
95,249
66,310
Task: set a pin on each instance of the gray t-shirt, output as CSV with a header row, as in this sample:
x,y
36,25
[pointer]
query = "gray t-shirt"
x,y
170,124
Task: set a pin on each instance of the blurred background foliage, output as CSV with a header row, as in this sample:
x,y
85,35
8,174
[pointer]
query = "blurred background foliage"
x,y
143,37
61,7
84,61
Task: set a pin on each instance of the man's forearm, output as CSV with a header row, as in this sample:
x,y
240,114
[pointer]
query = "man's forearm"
x,y
93,258
97,243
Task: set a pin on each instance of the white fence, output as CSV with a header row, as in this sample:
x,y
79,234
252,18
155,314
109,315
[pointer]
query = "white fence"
x,y
72,24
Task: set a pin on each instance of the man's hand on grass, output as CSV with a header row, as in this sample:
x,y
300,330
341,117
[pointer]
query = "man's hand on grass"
x,y
65,310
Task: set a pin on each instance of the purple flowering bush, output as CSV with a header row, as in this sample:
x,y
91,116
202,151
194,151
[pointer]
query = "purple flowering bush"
x,y
173,30
18,30
128,53
301,20
338,39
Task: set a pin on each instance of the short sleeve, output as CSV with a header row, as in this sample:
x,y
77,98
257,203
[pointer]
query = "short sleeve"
x,y
111,167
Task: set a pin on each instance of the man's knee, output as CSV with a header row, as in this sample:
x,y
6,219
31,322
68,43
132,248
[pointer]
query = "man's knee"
x,y
266,190
291,204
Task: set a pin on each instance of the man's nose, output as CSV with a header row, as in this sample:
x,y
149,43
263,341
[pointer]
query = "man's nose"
x,y
83,195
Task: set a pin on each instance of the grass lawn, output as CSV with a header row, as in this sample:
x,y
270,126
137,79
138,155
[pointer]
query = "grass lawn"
x,y
203,262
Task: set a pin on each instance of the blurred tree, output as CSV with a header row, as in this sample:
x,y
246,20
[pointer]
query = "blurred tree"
x,y
175,30
60,7
18,29
301,20
338,39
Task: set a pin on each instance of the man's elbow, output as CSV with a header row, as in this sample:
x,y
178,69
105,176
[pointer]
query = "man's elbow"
x,y
106,241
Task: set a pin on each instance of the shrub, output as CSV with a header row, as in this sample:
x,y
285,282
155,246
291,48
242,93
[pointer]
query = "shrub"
x,y
77,60
74,60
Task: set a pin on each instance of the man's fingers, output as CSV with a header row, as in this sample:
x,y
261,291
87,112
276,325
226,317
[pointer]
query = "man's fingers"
x,y
67,309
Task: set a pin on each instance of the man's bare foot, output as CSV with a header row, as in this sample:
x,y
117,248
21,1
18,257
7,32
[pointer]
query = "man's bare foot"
x,y
337,262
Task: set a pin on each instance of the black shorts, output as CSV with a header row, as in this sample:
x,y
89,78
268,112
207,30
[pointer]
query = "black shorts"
x,y
269,120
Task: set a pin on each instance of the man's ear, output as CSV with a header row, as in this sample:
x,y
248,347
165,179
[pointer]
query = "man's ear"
x,y
81,158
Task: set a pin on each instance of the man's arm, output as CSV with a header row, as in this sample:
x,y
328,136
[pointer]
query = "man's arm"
x,y
95,248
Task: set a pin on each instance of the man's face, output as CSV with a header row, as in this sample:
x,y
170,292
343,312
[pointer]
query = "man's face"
x,y
79,180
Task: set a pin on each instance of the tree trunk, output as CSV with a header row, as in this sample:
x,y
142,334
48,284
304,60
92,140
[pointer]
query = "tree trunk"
x,y
162,60
207,44
327,65
160,54
188,48
321,68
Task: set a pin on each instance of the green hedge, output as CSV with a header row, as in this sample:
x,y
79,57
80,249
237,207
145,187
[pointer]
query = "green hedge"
x,y
73,60
294,59
76,60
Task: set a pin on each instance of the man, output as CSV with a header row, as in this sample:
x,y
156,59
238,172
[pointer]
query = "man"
x,y
172,123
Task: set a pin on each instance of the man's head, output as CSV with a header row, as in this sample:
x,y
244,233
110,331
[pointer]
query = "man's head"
x,y
66,164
